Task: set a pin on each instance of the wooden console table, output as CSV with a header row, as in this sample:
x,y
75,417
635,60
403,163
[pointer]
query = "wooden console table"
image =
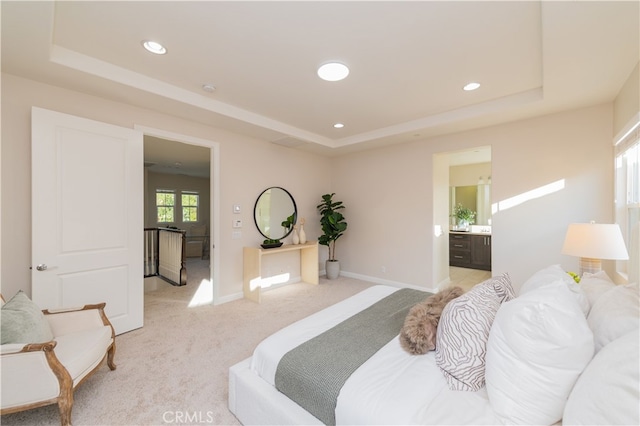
x,y
252,274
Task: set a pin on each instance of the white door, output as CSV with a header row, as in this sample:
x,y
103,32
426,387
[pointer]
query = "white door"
x,y
87,216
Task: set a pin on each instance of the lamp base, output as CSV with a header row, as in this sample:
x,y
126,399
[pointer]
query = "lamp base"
x,y
590,265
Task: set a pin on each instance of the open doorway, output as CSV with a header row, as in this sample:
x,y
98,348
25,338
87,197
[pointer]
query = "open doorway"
x,y
180,194
463,179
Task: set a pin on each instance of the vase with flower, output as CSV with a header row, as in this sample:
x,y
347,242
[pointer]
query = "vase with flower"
x,y
464,217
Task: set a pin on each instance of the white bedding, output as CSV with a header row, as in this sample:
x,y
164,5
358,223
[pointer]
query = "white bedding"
x,y
383,389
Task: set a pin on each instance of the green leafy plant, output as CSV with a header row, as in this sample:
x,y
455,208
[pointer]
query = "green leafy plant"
x,y
269,241
288,224
332,222
463,213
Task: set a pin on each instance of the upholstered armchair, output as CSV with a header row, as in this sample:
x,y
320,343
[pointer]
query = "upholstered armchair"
x,y
66,347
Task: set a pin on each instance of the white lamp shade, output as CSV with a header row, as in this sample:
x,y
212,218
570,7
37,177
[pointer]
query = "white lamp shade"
x,y
595,241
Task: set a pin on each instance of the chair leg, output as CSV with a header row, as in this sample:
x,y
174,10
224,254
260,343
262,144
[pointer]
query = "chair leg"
x,y
111,353
65,405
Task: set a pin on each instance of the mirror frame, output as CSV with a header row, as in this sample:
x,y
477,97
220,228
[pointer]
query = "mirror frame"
x,y
255,215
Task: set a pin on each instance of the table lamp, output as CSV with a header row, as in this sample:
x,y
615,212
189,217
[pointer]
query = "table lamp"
x,y
593,242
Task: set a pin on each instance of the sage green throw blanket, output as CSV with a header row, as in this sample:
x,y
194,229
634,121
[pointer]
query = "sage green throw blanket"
x,y
313,373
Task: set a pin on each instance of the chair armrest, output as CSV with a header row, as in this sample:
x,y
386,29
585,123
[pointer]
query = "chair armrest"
x,y
65,321
11,348
31,374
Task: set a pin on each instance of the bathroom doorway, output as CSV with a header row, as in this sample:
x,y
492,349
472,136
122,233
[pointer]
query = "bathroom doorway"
x,y
462,178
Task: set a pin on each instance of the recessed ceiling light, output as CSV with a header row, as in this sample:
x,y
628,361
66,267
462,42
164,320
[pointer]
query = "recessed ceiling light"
x,y
333,71
208,88
338,125
471,86
154,47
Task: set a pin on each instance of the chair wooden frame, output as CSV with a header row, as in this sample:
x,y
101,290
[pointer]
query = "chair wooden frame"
x,y
65,381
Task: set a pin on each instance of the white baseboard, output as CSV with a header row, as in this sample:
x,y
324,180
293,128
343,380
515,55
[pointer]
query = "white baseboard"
x,y
375,280
391,283
227,299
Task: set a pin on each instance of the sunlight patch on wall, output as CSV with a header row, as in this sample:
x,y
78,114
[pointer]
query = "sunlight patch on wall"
x,y
528,196
203,295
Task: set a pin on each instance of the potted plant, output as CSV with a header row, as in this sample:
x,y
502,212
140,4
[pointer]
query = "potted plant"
x,y
333,227
464,216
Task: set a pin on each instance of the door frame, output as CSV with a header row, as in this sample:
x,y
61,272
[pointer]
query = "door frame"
x,y
214,191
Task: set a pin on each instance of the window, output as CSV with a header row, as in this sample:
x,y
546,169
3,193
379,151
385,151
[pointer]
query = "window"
x,y
627,178
190,202
165,206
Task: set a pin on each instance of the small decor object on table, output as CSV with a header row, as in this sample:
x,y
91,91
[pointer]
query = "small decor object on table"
x,y
302,234
267,244
295,239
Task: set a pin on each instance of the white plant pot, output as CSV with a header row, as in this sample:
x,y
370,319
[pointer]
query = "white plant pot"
x,y
332,267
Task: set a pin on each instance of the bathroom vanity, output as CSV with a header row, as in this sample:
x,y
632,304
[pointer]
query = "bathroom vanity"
x,y
470,250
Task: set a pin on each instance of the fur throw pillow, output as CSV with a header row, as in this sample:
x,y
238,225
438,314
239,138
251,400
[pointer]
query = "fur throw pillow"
x,y
418,334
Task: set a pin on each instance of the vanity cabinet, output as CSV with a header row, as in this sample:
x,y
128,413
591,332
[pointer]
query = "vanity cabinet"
x,y
481,252
470,251
460,250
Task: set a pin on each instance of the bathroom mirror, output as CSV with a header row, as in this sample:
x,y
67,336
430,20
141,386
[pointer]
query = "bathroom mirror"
x,y
476,198
274,206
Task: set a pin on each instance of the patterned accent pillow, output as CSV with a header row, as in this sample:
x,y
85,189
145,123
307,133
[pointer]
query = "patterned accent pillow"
x,y
463,331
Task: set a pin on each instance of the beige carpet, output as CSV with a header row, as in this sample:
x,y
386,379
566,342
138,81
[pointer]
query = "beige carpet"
x,y
177,364
176,367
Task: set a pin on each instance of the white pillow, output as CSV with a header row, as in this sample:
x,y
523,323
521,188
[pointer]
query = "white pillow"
x,y
555,274
607,392
614,314
463,330
538,346
595,285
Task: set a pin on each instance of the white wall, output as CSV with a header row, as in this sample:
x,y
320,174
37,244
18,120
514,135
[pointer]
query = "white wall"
x,y
388,194
248,166
469,174
627,103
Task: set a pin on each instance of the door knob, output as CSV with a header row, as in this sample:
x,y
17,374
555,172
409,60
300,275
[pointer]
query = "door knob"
x,y
41,267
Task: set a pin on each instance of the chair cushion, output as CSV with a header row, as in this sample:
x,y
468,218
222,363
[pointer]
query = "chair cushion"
x,y
22,321
81,351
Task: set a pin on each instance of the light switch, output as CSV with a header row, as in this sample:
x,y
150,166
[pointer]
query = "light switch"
x,y
237,223
236,208
236,235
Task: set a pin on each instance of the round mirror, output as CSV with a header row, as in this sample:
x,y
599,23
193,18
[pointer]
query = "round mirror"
x,y
274,209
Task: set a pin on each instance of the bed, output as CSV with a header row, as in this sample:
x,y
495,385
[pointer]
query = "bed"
x,y
558,377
